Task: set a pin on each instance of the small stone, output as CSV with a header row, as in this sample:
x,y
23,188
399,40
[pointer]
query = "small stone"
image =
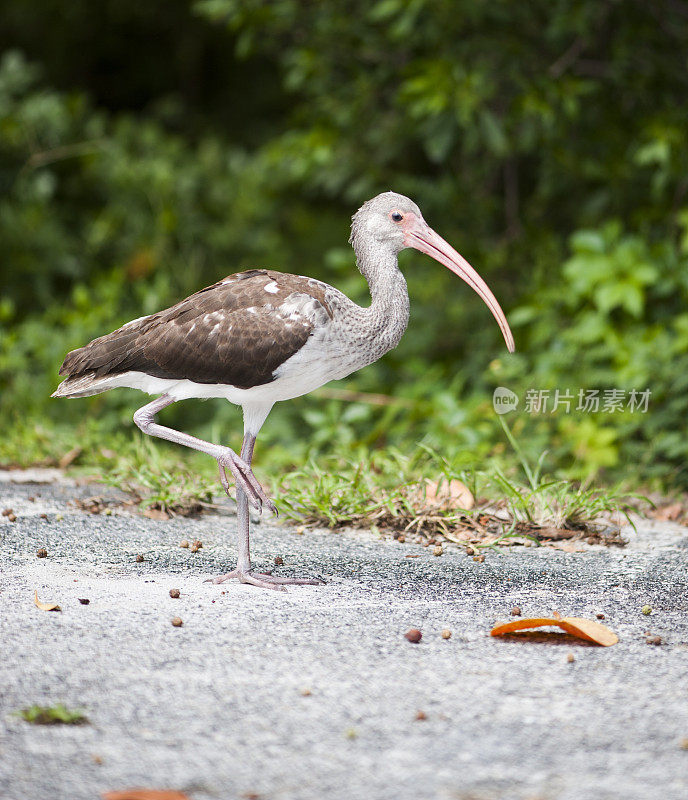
x,y
401,538
6,512
647,610
413,635
183,543
656,640
279,561
570,658
600,615
12,517
437,550
479,559
177,622
84,601
516,611
174,593
196,545
446,633
470,551
139,558
421,715
41,552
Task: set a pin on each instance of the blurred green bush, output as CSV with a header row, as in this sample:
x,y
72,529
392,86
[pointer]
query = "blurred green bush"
x,y
545,140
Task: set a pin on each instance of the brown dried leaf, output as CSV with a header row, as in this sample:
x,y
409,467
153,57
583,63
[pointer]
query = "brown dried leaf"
x,y
45,606
145,794
69,457
454,494
555,533
669,513
576,626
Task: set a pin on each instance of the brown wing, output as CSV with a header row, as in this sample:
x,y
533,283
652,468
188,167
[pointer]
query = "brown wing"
x,y
236,332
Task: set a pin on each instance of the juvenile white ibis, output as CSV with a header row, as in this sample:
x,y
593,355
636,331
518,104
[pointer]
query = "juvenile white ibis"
x,y
261,336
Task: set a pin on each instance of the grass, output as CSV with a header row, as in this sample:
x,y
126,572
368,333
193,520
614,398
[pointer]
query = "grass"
x,y
52,715
385,490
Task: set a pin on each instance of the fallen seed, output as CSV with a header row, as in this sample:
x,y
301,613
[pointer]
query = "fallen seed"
x,y
413,635
41,553
12,517
44,516
177,622
421,715
570,658
401,538
196,545
96,758
600,615
6,512
84,601
683,744
647,610
479,559
437,550
446,633
279,561
351,733
139,558
174,593
470,551
656,640
183,543
306,692
516,611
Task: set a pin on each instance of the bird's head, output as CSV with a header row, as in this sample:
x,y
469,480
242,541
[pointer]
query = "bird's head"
x,y
393,222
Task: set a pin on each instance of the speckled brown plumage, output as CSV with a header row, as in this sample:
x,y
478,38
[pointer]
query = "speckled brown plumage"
x,y
235,332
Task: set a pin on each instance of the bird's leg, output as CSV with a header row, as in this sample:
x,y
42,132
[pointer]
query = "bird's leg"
x,y
226,457
243,568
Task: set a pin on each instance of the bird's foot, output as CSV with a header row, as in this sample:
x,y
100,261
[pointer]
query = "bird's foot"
x,y
244,477
265,580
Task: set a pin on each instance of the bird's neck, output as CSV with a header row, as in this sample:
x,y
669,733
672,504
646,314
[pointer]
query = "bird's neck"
x,y
388,314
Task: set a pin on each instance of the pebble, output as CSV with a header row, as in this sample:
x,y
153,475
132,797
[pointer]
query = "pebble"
x,y
413,635
177,622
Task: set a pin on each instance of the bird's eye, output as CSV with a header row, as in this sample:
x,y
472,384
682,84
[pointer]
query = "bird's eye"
x,y
396,216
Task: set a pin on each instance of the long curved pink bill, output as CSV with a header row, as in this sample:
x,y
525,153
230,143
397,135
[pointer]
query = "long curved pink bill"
x,y
432,244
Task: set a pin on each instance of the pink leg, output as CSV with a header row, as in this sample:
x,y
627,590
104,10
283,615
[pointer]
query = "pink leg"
x,y
243,570
225,456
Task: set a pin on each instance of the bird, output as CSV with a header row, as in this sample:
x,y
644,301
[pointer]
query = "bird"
x,y
261,336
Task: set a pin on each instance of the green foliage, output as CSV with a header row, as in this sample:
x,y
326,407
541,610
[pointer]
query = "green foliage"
x,y
545,140
52,715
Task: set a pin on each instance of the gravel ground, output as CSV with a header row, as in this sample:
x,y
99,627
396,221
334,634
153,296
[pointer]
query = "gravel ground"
x,y
315,693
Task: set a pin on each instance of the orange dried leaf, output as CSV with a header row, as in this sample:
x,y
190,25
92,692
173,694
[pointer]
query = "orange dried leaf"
x,y
453,494
145,794
576,626
45,606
